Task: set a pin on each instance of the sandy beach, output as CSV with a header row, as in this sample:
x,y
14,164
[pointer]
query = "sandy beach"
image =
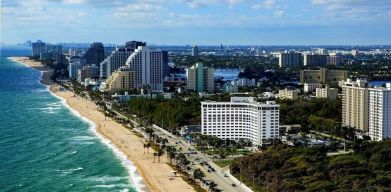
x,y
156,176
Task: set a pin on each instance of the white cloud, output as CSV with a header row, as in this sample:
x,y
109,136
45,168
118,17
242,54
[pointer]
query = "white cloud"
x,y
279,13
266,4
73,1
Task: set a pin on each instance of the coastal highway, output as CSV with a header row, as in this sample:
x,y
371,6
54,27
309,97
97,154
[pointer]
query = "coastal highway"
x,y
221,176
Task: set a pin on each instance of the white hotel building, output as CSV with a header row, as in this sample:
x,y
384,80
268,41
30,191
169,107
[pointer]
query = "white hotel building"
x,y
380,113
242,118
147,65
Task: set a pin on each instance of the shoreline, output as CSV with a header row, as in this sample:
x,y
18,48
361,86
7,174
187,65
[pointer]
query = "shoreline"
x,y
134,176
127,146
46,72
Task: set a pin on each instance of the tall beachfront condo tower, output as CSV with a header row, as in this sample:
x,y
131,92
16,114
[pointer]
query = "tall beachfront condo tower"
x,y
355,104
290,59
242,118
380,112
200,78
147,65
39,47
95,54
118,58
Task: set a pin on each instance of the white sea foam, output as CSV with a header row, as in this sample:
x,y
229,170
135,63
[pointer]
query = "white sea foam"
x,y
68,171
112,186
105,186
134,177
105,179
83,142
83,138
73,152
50,109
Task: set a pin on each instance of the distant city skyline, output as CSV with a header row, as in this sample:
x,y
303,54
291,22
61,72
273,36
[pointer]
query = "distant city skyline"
x,y
199,22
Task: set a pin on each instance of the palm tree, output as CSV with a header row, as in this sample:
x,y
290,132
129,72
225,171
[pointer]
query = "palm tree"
x,y
154,156
198,174
164,141
148,145
150,132
160,153
212,186
171,153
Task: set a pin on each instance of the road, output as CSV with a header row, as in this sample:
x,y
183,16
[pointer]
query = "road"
x,y
220,176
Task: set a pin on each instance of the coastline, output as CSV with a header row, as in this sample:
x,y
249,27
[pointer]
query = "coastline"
x,y
125,144
36,65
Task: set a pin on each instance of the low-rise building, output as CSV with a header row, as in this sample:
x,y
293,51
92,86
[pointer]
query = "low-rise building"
x,y
242,118
288,94
311,87
244,82
327,92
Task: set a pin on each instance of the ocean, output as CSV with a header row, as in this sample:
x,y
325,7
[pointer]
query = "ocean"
x,y
45,146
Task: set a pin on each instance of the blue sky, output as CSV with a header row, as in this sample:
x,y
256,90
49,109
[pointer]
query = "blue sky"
x,y
203,22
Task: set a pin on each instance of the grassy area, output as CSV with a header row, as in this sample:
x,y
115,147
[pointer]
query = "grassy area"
x,y
223,163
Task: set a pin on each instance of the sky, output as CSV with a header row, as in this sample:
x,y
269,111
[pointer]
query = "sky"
x,y
199,22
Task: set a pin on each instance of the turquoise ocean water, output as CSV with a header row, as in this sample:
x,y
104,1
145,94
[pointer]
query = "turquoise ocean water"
x,y
44,146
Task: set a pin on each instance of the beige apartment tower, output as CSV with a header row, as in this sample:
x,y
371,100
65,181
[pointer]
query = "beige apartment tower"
x,y
355,104
122,80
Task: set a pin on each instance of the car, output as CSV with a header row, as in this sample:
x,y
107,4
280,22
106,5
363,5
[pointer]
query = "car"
x,y
233,185
225,175
209,171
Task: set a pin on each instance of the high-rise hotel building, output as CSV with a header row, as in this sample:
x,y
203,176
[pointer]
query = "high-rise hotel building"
x,y
355,104
242,118
380,112
147,65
